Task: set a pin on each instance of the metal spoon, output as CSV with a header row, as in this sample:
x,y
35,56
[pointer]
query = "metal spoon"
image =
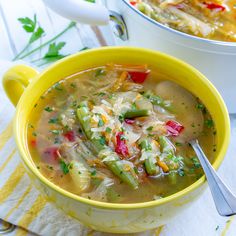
x,y
225,201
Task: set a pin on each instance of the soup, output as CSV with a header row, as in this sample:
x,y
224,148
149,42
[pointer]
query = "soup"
x,y
213,19
119,133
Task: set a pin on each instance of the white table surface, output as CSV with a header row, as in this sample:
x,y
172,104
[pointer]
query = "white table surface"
x,y
201,219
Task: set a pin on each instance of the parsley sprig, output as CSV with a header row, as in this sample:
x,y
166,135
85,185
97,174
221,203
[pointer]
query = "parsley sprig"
x,y
32,27
36,32
53,54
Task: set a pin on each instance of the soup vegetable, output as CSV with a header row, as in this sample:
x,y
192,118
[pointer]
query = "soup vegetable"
x,y
119,133
212,19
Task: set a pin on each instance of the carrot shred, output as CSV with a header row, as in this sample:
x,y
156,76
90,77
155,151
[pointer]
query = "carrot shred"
x,y
128,67
163,166
118,83
104,119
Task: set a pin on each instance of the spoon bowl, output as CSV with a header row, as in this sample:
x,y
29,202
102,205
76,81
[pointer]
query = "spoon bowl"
x,y
224,199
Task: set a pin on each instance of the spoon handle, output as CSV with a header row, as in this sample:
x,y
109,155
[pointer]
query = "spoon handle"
x,y
224,200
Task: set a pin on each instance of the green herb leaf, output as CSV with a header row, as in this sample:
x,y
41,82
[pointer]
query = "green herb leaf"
x,y
58,86
54,49
100,72
196,162
53,120
178,144
108,130
93,172
48,109
209,123
31,26
36,35
181,172
64,167
102,140
150,128
28,24
100,123
53,54
55,131
121,118
200,106
73,85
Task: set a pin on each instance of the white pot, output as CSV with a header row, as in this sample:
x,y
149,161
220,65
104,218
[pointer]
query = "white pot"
x,y
215,59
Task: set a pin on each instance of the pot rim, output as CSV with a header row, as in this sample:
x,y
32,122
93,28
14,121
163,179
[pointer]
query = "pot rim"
x,y
105,205
179,33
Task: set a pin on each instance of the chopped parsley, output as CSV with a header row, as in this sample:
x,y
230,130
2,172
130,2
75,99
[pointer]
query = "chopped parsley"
x,y
30,126
93,172
209,123
55,131
50,167
181,172
200,106
133,106
102,140
58,86
73,85
175,159
34,134
56,140
74,104
196,162
178,144
108,130
121,118
84,97
53,120
100,72
101,94
48,109
64,167
150,128
136,170
122,137
100,123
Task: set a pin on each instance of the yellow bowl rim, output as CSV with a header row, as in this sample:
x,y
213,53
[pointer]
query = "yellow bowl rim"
x,y
124,206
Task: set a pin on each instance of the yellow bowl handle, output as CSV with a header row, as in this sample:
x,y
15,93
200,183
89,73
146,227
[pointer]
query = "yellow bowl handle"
x,y
16,79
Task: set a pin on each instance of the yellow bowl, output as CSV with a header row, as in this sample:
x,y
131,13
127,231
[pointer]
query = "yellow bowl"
x,y
110,217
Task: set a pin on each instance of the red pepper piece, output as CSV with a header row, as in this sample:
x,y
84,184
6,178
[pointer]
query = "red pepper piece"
x,y
121,147
50,155
139,76
214,6
174,128
70,135
33,142
133,3
129,121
